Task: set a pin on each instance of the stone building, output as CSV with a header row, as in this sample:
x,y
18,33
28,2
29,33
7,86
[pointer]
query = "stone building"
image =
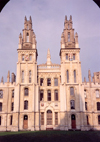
x,y
49,96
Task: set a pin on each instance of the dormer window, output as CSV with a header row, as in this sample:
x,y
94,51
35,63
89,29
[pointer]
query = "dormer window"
x,y
27,38
68,37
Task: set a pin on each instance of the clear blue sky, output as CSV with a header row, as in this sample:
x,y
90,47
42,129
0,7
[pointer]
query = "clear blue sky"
x,y
48,23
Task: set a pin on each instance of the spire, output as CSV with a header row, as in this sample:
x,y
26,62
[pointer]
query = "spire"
x,y
2,79
20,35
8,76
48,57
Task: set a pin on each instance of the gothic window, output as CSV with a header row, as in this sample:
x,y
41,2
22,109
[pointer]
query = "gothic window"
x,y
22,76
26,92
68,26
41,95
29,76
12,93
0,120
98,119
0,106
71,91
48,81
22,57
68,37
49,95
98,105
56,118
41,81
66,56
12,106
85,93
55,81
30,57
97,93
27,27
87,118
56,95
73,56
67,76
25,105
72,104
11,119
85,105
42,118
27,38
74,76
1,94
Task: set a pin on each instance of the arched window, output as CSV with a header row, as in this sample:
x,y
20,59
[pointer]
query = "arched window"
x,y
49,117
22,76
56,118
97,93
98,119
85,105
87,118
22,57
0,106
42,118
67,76
12,93
11,119
26,92
30,76
56,95
49,95
85,93
1,94
72,104
30,57
48,81
98,105
0,120
68,37
27,37
12,106
71,91
41,95
74,76
73,56
25,105
55,81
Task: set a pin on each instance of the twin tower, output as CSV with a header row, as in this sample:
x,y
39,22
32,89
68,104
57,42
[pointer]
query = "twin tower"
x,y
49,95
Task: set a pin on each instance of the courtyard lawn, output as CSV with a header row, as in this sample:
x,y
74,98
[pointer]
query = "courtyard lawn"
x,y
50,136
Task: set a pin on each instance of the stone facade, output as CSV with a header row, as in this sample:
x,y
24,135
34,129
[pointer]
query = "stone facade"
x,y
49,96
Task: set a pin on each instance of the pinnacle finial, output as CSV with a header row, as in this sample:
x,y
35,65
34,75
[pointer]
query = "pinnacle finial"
x,y
84,79
48,57
20,35
2,79
89,73
71,17
30,19
8,76
76,34
25,18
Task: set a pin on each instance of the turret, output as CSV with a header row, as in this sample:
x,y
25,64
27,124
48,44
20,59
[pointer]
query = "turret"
x,y
20,41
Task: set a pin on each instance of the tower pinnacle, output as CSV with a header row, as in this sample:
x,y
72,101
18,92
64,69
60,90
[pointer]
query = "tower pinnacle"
x,y
48,57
